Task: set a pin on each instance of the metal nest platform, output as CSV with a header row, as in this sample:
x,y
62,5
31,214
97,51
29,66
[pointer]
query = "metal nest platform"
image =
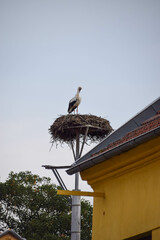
x,y
65,128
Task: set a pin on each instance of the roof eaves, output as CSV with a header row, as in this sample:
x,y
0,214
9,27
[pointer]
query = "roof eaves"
x,y
117,150
130,125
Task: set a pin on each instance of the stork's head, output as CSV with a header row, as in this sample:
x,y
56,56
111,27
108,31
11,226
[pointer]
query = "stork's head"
x,y
79,89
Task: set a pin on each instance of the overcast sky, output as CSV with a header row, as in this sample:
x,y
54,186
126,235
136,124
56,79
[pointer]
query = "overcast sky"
x,y
111,48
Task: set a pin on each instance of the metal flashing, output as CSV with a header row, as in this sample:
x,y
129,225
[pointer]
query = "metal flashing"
x,y
130,125
113,152
88,160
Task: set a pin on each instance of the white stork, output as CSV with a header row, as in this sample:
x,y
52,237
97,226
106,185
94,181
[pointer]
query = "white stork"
x,y
74,102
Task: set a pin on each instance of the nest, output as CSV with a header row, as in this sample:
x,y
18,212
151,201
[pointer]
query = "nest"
x,y
65,128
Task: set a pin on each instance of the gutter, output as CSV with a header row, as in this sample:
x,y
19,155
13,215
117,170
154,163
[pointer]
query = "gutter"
x,y
90,162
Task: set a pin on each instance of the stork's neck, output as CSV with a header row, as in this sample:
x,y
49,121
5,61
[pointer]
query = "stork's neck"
x,y
78,92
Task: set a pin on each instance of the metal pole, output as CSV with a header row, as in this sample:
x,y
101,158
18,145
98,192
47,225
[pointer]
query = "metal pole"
x,y
76,203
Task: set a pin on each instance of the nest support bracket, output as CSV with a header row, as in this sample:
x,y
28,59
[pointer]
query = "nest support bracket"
x,y
84,140
57,175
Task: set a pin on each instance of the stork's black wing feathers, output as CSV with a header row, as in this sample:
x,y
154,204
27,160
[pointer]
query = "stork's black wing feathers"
x,y
71,104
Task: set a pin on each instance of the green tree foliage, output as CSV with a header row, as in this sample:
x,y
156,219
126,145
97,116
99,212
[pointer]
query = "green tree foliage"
x,y
86,220
30,205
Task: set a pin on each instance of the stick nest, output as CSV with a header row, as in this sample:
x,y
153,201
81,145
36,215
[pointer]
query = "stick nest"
x,y
65,128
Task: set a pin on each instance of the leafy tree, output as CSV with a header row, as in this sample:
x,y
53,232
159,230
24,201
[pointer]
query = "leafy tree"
x,y
86,220
30,205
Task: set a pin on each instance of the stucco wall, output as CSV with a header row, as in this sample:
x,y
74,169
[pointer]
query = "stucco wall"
x,y
132,202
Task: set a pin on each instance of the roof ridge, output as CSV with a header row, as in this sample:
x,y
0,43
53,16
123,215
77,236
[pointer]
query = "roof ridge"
x,y
12,232
145,127
156,116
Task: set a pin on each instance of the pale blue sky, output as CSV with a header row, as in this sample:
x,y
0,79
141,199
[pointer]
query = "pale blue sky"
x,y
50,47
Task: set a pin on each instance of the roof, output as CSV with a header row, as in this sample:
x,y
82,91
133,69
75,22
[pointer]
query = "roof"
x,y
13,233
144,126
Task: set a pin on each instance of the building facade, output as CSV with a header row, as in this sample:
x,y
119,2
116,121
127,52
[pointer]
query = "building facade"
x,y
126,167
10,235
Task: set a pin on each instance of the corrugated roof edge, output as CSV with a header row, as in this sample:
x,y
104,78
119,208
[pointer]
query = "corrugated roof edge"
x,y
114,151
130,125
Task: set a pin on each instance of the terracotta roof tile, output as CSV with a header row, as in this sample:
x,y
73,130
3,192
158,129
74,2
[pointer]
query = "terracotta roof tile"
x,y
145,127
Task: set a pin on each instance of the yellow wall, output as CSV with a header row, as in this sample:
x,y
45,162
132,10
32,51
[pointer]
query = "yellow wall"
x,y
156,234
131,182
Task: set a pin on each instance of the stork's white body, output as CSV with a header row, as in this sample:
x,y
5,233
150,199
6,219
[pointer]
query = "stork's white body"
x,y
75,101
